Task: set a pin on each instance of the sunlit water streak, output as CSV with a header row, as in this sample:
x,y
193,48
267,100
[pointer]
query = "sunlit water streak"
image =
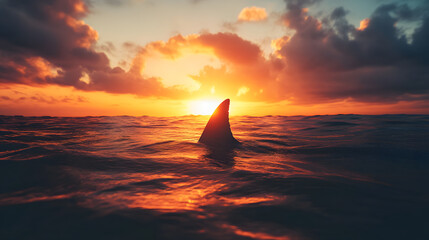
x,y
317,177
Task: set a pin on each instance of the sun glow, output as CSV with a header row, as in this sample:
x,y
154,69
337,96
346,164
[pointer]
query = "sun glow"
x,y
203,107
180,69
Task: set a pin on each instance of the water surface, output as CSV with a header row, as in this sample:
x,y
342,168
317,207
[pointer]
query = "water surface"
x,y
314,177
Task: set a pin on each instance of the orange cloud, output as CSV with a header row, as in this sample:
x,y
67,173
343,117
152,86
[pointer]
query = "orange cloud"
x,y
80,28
252,14
277,45
58,49
363,24
231,47
244,74
66,101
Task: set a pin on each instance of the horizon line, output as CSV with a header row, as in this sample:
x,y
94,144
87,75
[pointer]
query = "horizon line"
x,y
193,115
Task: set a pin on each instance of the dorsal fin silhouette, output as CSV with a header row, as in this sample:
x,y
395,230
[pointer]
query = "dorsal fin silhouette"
x,y
217,132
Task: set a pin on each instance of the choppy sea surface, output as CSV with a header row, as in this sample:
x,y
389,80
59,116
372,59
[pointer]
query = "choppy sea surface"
x,y
300,177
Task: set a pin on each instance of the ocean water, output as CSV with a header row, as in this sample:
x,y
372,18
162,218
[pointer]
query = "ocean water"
x,y
300,177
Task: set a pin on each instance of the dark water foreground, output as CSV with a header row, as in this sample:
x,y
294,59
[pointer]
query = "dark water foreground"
x,y
319,177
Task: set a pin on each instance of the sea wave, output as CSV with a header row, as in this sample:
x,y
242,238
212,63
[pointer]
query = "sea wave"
x,y
297,177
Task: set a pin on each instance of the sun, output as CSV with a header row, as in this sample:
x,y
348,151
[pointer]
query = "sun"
x,y
203,107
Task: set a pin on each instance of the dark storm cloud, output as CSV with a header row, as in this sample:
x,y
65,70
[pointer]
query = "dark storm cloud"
x,y
329,59
46,42
339,61
49,29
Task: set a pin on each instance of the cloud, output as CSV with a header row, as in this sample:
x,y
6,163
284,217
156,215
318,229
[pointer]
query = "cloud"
x,y
6,98
246,15
46,42
252,14
228,47
329,60
326,59
243,65
372,63
107,47
323,61
231,47
42,98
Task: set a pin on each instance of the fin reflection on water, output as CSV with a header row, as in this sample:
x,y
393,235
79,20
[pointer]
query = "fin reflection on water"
x,y
223,158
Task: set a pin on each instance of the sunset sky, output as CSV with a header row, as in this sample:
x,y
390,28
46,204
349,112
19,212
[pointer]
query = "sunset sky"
x,y
180,57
